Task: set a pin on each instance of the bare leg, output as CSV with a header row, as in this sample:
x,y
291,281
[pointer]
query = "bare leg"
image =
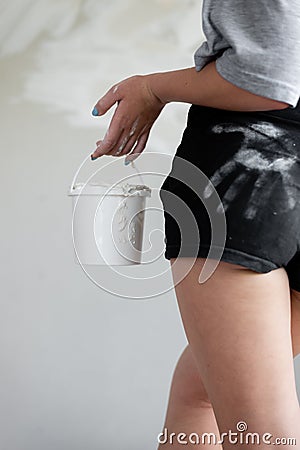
x,y
295,321
189,408
241,340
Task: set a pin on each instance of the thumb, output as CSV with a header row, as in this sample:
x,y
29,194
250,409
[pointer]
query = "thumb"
x,y
105,103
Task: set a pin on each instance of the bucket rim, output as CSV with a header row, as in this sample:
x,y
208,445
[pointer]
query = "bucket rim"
x,y
125,190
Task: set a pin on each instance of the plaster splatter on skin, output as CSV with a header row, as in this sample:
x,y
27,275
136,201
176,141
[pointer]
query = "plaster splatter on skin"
x,y
115,89
277,156
134,127
122,146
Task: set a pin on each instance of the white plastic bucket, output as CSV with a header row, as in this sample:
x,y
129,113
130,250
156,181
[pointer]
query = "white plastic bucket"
x,y
108,223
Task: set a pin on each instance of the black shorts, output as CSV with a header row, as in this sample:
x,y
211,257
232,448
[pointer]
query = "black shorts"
x,y
253,161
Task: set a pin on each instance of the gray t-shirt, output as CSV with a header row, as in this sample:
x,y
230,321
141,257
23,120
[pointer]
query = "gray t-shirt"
x,y
256,45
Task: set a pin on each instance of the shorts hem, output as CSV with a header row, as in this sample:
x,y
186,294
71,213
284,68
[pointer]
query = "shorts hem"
x,y
230,255
295,286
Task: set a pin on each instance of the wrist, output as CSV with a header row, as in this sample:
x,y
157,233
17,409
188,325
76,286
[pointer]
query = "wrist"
x,y
156,84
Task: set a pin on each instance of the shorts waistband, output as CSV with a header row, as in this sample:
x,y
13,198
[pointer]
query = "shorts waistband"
x,y
289,115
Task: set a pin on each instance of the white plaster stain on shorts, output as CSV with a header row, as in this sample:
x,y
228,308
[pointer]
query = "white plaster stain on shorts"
x,y
257,163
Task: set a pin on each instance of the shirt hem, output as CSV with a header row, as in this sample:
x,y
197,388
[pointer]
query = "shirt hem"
x,y
257,84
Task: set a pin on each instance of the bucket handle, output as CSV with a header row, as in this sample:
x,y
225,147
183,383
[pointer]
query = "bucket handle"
x,y
77,172
88,157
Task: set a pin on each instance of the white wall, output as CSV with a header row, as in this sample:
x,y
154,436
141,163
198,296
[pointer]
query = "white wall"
x,y
80,367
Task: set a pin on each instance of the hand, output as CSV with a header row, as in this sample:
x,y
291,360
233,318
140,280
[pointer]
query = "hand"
x,y
138,108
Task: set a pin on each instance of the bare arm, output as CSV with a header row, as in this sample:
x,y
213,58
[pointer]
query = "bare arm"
x,y
207,88
141,98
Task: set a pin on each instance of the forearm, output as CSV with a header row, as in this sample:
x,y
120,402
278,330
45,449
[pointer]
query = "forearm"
x,y
207,88
141,99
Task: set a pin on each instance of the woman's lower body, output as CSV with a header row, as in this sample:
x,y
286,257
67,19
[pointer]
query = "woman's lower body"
x,y
243,323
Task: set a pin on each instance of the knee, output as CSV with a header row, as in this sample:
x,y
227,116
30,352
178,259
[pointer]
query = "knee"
x,y
187,385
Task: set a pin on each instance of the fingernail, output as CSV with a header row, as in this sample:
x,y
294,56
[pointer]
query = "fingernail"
x,y
127,162
95,112
93,157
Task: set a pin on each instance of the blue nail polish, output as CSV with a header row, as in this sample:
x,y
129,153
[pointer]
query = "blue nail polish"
x,y
95,112
127,162
93,158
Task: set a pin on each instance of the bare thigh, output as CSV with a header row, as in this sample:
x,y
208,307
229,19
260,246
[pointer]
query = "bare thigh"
x,y
191,390
295,321
238,327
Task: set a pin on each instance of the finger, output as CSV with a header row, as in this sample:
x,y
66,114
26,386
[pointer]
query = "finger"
x,y
114,143
128,147
120,147
117,126
134,137
124,146
140,146
133,140
106,102
105,146
111,138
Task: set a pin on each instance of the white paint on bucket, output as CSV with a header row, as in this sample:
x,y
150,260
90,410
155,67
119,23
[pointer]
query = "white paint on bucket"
x,y
108,223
